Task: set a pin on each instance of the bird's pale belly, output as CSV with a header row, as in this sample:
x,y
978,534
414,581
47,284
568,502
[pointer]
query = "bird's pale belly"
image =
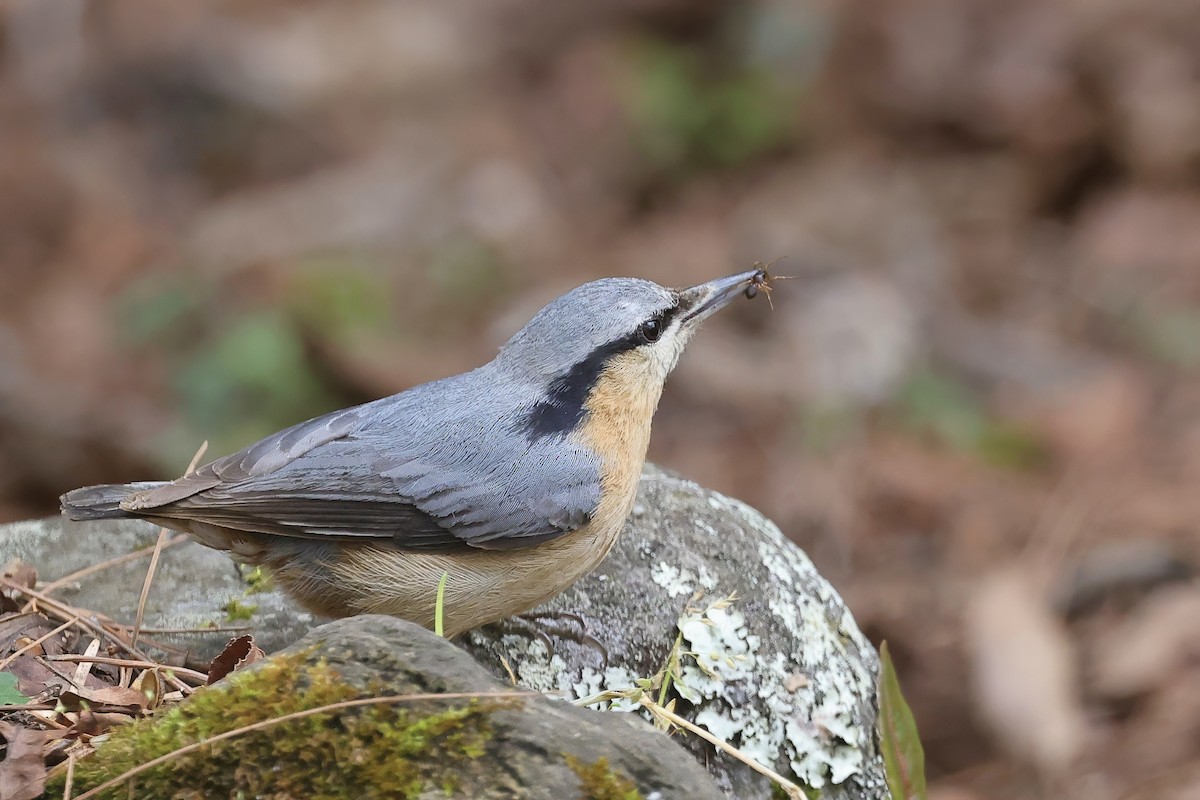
x,y
481,586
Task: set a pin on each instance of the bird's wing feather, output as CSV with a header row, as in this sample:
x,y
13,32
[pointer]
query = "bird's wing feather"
x,y
440,487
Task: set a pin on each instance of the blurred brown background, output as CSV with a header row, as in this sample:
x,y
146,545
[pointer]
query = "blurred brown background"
x,y
977,408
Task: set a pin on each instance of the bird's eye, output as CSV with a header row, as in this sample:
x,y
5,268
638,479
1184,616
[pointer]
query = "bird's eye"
x,y
651,330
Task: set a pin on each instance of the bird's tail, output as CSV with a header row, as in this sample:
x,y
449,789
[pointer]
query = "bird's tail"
x,y
101,502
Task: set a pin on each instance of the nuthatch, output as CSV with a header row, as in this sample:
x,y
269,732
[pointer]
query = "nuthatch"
x,y
514,478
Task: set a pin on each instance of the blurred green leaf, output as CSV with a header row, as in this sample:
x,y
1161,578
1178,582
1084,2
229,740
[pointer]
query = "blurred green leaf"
x,y
824,428
942,406
9,695
948,410
689,114
903,755
249,378
161,309
467,271
1005,445
339,294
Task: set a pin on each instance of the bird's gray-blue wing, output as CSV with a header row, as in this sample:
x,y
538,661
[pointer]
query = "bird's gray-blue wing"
x,y
460,483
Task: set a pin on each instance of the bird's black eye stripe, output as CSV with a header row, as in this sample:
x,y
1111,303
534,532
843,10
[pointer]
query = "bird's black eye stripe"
x,y
562,408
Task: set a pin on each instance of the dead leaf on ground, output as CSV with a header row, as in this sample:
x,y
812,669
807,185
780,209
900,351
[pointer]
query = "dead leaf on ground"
x,y
20,573
94,723
19,626
1141,652
22,772
150,686
78,699
239,653
1023,664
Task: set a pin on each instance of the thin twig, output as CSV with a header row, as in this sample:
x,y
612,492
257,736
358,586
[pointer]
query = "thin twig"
x,y
99,708
163,536
793,790
50,722
69,783
267,723
129,662
58,583
200,629
65,611
37,641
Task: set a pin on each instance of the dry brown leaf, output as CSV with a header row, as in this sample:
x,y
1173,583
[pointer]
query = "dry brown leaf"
x,y
1023,665
17,628
93,723
20,573
239,653
23,770
150,686
76,699
1160,636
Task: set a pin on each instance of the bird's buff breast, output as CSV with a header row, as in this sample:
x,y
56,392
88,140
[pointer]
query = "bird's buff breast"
x,y
487,585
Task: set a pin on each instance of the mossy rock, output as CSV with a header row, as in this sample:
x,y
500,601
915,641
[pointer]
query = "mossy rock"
x,y
508,745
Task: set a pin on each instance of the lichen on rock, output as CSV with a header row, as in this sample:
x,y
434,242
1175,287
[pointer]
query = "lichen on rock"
x,y
782,672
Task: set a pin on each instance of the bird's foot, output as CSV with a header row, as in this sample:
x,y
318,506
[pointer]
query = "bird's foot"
x,y
563,626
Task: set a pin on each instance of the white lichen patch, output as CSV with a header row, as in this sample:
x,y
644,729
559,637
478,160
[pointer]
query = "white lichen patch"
x,y
679,581
612,679
669,577
719,651
808,703
706,579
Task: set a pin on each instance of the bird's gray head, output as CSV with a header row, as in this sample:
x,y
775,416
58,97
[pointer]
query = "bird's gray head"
x,y
627,322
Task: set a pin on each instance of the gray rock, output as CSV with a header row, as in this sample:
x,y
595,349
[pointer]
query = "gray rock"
x,y
533,747
782,673
192,584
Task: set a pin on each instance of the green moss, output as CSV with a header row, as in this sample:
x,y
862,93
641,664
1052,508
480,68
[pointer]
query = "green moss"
x,y
258,580
601,782
235,610
361,753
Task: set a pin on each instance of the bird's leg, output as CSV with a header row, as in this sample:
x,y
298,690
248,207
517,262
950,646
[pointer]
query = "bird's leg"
x,y
523,625
555,623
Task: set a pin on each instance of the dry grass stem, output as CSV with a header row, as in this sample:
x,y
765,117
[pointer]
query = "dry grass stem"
x,y
69,781
163,536
66,612
793,791
210,629
129,662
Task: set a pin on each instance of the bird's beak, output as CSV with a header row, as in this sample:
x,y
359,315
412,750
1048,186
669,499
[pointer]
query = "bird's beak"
x,y
702,300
